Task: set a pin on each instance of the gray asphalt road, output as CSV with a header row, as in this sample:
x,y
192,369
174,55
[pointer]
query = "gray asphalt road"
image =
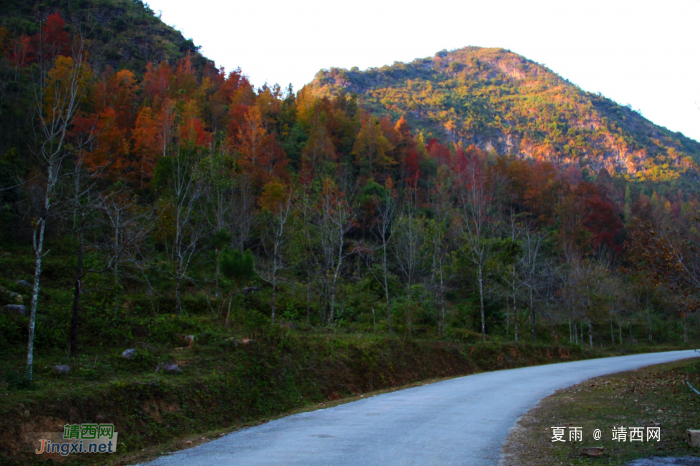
x,y
461,421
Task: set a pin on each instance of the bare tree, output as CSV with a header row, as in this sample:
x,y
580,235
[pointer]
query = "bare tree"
x,y
475,206
382,226
437,230
510,257
278,203
310,240
335,220
182,214
57,96
409,250
532,268
128,225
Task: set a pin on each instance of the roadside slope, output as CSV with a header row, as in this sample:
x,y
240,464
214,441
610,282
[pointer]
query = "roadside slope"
x,y
461,421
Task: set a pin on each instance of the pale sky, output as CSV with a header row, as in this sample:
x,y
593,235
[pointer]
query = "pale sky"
x,y
642,53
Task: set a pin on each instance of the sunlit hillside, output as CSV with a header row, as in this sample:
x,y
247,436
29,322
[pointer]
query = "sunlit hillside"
x,y
503,102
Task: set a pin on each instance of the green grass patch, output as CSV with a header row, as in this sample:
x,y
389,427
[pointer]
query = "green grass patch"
x,y
654,396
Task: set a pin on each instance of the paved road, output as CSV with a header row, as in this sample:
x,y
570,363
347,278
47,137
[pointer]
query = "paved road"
x,y
461,421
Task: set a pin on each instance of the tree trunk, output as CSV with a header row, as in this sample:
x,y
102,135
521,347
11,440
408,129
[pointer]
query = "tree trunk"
x,y
76,299
590,332
570,336
228,313
532,317
178,279
116,266
332,310
612,329
308,303
515,312
273,300
481,298
218,272
507,319
685,329
39,254
619,326
386,289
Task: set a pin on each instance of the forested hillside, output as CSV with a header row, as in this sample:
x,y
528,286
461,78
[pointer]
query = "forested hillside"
x,y
500,101
174,197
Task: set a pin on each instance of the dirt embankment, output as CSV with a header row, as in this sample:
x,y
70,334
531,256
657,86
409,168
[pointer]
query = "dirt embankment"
x,y
261,380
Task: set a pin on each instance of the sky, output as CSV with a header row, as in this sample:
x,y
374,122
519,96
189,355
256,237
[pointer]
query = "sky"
x,y
642,53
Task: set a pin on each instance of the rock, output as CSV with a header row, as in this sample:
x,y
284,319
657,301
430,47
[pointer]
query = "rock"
x,y
128,354
693,437
23,283
593,451
18,309
187,340
61,369
246,341
167,367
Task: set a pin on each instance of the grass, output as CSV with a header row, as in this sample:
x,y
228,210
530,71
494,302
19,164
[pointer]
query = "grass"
x,y
654,396
224,387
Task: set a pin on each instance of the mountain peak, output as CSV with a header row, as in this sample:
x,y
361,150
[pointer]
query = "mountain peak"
x,y
500,101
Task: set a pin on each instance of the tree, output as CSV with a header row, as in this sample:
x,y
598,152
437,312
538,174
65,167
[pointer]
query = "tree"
x,y
438,240
57,97
475,203
371,146
532,268
236,267
409,250
334,220
277,203
182,225
509,255
383,203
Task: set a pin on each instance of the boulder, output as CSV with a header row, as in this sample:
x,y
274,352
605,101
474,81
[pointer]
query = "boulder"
x,y
693,437
61,369
167,367
128,354
23,283
19,309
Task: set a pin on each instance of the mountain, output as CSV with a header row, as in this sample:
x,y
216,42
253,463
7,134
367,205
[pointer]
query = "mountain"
x,y
125,34
500,101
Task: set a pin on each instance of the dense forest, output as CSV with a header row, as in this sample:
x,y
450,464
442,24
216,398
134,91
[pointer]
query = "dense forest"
x,y
147,193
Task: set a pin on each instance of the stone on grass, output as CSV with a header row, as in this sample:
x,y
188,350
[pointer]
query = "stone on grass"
x,y
593,451
167,367
693,437
128,354
18,309
61,369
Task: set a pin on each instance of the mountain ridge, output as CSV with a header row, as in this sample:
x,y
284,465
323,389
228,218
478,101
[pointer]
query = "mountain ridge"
x,y
503,102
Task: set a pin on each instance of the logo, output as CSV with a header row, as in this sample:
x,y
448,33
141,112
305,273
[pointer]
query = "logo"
x,y
79,438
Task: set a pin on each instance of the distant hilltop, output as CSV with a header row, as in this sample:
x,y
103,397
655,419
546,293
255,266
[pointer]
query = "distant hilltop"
x,y
500,101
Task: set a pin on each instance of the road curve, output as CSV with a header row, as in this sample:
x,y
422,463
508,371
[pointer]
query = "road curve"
x,y
461,421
